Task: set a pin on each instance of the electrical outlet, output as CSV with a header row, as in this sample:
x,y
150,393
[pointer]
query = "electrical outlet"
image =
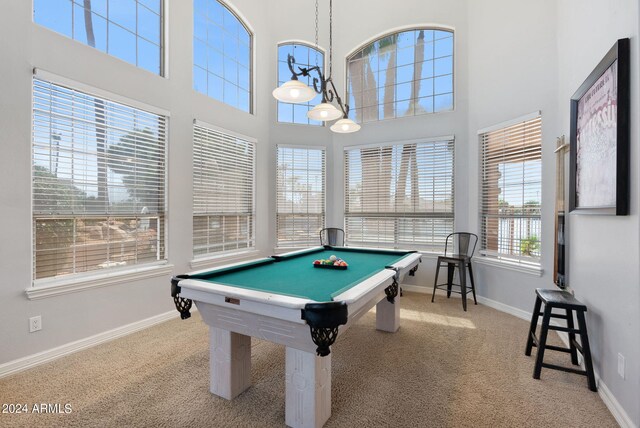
x,y
35,323
621,365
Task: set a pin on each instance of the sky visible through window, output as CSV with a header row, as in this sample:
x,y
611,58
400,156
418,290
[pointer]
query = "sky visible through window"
x,y
433,173
520,182
401,74
400,194
127,29
221,55
306,57
66,139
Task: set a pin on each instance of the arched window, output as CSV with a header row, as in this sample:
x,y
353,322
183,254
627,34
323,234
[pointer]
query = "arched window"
x,y
221,54
306,56
401,74
130,30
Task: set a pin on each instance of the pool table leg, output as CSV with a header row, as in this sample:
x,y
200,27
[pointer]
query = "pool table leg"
x,y
388,315
229,362
308,389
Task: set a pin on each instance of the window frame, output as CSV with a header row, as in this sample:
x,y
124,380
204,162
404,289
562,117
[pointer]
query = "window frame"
x,y
53,286
324,67
323,149
520,263
162,39
205,259
252,57
397,214
397,30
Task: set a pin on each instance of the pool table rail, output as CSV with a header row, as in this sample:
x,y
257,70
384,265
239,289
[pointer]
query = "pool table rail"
x,y
235,315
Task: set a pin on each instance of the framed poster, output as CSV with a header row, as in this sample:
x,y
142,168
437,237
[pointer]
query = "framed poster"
x,y
599,137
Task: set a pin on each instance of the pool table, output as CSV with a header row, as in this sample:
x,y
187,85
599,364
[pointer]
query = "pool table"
x,y
286,300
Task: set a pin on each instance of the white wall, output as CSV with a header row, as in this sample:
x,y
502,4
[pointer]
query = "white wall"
x,y
513,65
23,46
603,259
511,58
519,65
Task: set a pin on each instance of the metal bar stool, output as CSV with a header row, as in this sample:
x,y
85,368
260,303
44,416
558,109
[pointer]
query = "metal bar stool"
x,y
333,236
562,300
458,251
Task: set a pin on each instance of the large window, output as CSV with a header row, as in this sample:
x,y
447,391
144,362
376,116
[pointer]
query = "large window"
x,y
401,74
305,56
221,54
400,195
128,29
300,195
510,202
98,183
223,191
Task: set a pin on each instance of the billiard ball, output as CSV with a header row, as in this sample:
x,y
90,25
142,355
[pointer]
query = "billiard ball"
x,y
333,258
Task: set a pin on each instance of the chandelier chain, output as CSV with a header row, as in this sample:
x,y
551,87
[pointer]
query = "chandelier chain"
x,y
316,32
330,38
297,92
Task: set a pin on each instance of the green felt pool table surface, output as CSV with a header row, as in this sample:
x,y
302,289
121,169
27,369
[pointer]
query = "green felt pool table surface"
x,y
295,275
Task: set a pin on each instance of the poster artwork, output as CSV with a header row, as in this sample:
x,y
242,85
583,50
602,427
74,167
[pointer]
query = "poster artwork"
x,y
596,143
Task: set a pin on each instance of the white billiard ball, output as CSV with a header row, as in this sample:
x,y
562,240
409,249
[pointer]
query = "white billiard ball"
x,y
333,258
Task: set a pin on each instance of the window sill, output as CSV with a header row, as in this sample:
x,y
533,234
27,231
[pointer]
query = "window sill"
x,y
424,253
430,254
282,250
205,262
56,287
516,267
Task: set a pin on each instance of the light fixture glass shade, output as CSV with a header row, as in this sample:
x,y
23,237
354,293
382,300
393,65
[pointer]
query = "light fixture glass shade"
x,y
345,126
294,91
324,112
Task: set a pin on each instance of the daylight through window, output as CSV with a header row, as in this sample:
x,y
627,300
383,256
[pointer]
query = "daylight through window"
x,y
223,192
511,172
128,29
300,195
221,54
401,74
98,183
400,195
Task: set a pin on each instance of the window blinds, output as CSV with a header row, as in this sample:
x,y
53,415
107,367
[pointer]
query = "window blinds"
x,y
400,195
511,161
300,183
98,182
223,192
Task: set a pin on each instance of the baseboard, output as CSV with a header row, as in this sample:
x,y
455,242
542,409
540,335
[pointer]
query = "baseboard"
x,y
415,288
516,312
605,394
30,361
614,407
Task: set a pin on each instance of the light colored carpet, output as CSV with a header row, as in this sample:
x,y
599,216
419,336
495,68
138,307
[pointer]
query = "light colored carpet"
x,y
443,368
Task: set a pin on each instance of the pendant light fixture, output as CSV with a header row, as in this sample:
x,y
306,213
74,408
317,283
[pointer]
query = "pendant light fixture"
x,y
295,91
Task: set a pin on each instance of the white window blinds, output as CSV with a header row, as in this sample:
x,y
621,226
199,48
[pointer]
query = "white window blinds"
x,y
300,184
511,161
223,192
400,195
98,183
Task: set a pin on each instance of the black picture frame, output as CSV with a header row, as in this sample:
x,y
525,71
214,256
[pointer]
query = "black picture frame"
x,y
591,184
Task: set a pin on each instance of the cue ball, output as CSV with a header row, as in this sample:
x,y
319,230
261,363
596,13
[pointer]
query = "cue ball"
x,y
333,258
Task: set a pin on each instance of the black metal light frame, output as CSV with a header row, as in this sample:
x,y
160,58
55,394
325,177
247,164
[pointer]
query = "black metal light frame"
x,y
328,95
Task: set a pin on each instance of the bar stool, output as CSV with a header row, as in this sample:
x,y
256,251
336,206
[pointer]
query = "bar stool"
x,y
458,251
332,236
562,300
